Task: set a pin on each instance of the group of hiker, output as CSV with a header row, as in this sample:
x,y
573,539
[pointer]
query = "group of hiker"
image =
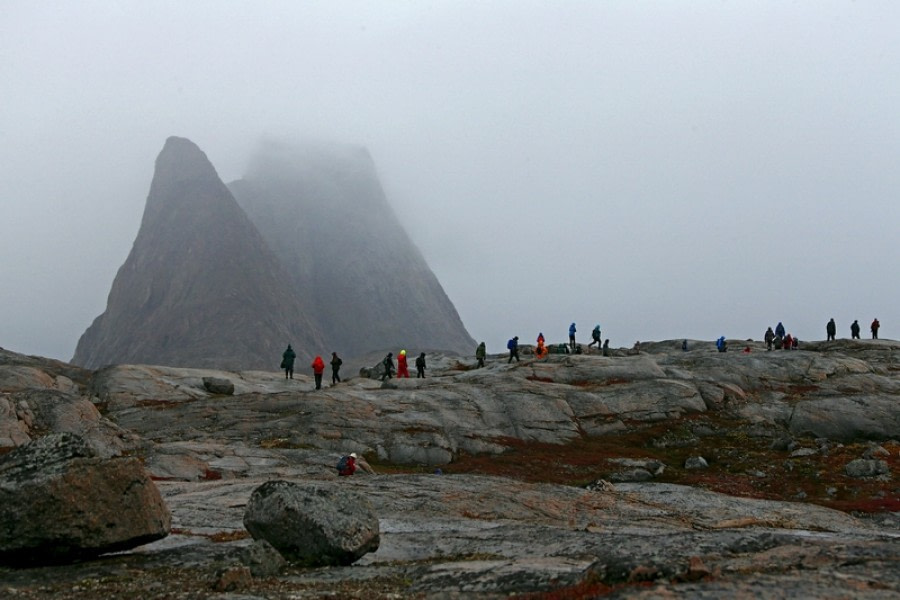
x,y
831,329
541,349
402,369
318,366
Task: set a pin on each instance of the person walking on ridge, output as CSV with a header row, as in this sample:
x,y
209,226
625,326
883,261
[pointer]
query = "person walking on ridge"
x,y
420,366
595,337
769,338
854,330
572,336
388,364
318,367
513,347
287,362
875,326
402,368
336,363
831,330
480,354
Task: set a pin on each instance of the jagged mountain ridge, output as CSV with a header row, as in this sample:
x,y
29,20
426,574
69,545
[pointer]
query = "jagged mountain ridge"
x,y
200,286
324,212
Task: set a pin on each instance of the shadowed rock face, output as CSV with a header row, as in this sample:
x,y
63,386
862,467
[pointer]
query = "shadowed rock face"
x,y
200,287
323,211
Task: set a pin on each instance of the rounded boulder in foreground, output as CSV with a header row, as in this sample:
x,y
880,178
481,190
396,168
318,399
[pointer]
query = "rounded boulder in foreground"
x,y
313,524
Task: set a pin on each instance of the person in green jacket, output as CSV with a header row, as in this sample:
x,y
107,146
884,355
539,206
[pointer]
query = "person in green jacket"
x,y
287,362
480,353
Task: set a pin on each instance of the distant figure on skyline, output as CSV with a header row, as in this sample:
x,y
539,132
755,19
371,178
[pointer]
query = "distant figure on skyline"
x,y
721,344
684,346
854,330
420,366
788,342
875,326
541,351
595,337
572,336
336,363
287,362
830,330
402,368
779,330
480,354
606,347
513,347
318,367
769,337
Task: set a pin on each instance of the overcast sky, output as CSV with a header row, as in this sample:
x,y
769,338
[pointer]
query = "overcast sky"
x,y
665,169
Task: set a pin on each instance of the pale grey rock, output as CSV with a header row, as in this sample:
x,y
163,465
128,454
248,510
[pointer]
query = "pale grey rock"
x,y
862,468
313,524
262,559
801,452
696,463
60,502
218,385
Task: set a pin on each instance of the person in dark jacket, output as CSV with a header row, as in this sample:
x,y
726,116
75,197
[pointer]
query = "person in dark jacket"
x,y
513,347
875,326
606,347
420,366
595,338
779,330
769,338
480,354
854,330
336,363
287,362
318,367
831,330
388,363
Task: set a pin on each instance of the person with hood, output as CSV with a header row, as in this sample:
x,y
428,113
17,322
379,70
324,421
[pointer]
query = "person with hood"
x,y
420,366
769,338
513,347
721,344
788,342
830,330
388,363
779,330
287,362
348,465
318,367
595,337
541,351
480,354
572,336
875,326
854,330
336,363
402,369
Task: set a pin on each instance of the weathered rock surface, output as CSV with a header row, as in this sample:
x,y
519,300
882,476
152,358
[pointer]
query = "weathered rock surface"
x,y
59,502
314,524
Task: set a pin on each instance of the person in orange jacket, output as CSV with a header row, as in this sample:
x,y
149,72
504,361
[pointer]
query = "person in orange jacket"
x,y
402,368
318,367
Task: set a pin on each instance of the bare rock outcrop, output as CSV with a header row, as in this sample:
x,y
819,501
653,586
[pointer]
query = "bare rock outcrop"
x,y
313,524
60,502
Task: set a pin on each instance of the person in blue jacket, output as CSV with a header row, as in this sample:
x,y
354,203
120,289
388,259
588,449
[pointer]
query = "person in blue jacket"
x,y
572,336
779,330
721,344
513,347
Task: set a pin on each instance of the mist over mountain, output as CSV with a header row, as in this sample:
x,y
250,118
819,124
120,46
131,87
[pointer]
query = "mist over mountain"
x,y
313,256
200,286
324,213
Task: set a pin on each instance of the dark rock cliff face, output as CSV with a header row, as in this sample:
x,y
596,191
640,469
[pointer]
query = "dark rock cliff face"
x,y
200,287
323,212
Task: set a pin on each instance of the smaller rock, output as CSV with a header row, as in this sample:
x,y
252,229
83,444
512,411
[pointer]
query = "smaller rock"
x,y
262,559
633,475
873,451
218,385
696,462
231,579
800,452
862,468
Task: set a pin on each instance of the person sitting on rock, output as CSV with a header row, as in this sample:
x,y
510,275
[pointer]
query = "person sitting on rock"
x,y
402,368
388,364
480,354
318,367
287,362
348,465
606,347
420,366
778,342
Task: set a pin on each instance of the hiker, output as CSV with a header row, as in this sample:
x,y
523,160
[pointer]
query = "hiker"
x,y
348,465
779,330
388,363
684,346
572,336
788,342
854,330
541,351
420,366
595,337
287,362
769,337
606,347
318,367
721,344
795,343
336,363
513,347
480,353
402,369
830,330
875,326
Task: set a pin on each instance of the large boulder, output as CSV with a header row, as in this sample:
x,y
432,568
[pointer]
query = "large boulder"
x,y
60,502
313,524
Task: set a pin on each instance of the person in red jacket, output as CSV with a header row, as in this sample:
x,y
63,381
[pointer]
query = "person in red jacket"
x,y
402,368
318,367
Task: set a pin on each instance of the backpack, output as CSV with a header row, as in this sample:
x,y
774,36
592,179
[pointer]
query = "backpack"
x,y
510,345
345,466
